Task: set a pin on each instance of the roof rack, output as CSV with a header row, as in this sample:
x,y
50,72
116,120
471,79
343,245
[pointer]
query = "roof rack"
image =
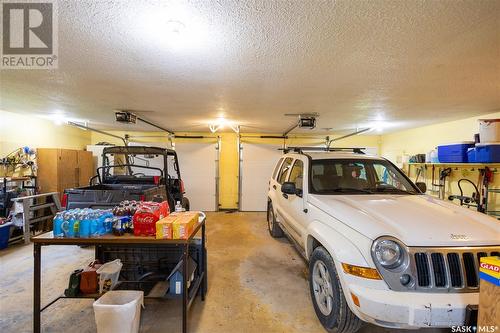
x,y
301,150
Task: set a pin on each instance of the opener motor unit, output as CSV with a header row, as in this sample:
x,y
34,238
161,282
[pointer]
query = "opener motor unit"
x,y
307,122
125,117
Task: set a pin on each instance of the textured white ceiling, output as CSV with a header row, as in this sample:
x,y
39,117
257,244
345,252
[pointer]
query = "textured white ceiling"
x,y
355,62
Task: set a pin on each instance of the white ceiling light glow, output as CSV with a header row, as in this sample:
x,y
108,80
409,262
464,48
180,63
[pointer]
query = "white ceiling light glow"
x,y
59,118
175,28
222,123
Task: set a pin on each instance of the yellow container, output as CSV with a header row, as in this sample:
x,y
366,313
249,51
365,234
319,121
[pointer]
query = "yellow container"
x,y
183,225
489,270
164,227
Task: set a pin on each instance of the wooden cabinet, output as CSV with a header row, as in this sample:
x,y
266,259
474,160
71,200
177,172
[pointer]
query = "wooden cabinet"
x,y
59,169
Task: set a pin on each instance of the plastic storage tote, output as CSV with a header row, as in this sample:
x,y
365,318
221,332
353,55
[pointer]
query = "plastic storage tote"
x,y
454,152
119,311
489,130
488,153
5,235
471,155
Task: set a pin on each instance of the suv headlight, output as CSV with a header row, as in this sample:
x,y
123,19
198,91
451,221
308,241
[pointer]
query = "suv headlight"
x,y
388,253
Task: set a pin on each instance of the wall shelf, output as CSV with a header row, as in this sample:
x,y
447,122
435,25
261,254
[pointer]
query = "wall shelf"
x,y
464,165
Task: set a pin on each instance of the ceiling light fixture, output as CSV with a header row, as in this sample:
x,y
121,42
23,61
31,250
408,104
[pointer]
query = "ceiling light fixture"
x,y
58,117
379,126
175,28
221,123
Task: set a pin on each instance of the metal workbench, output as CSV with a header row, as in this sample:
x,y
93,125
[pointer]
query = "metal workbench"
x,y
197,286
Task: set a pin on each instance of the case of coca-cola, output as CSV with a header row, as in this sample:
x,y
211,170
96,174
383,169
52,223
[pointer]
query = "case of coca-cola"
x,y
146,215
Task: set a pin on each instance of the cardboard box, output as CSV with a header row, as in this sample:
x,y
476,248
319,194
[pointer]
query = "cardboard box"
x,y
489,292
164,227
184,223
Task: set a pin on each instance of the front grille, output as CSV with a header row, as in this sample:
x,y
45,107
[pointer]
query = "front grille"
x,y
455,272
470,269
423,276
448,269
439,269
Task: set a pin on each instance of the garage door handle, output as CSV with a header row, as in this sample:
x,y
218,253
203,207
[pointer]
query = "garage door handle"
x,y
285,195
274,186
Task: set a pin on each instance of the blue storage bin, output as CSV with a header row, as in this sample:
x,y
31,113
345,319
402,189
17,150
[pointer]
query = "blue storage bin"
x,y
4,235
454,152
488,152
471,155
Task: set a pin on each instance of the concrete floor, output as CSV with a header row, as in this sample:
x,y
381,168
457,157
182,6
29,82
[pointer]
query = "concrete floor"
x,y
256,284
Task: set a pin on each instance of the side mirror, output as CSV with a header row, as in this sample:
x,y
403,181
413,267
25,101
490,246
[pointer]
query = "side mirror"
x,y
421,186
288,188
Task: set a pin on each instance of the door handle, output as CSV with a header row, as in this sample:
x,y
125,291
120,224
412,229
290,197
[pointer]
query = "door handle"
x,y
285,195
274,186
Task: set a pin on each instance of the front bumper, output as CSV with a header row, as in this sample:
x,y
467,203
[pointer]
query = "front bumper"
x,y
410,309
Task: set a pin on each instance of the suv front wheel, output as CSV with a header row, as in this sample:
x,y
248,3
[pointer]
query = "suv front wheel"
x,y
273,226
327,295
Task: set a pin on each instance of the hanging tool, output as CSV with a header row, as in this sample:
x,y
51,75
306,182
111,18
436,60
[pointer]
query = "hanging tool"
x,y
445,173
472,201
487,179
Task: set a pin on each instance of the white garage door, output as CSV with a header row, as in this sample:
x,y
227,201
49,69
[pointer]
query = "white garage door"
x,y
199,164
257,164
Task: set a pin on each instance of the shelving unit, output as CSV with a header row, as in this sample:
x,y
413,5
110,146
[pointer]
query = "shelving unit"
x,y
462,165
494,167
10,187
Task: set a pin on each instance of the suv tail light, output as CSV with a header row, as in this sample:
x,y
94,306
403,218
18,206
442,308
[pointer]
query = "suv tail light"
x,y
64,201
182,187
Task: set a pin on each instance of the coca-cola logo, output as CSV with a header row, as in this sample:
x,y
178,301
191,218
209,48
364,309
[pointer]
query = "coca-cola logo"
x,y
145,219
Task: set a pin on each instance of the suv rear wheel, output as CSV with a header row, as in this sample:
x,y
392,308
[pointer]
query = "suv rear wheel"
x,y
327,295
273,226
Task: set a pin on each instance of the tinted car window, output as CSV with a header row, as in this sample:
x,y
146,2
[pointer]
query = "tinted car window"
x,y
331,176
284,170
296,174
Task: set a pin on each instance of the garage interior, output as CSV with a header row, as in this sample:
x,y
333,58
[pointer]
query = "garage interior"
x,y
228,86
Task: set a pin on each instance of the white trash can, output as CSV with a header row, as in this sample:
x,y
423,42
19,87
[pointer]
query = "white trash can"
x,y
119,311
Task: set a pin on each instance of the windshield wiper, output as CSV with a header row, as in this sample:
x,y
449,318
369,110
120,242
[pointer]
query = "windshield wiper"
x,y
392,190
349,189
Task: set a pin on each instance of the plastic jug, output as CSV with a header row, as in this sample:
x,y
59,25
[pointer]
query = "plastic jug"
x,y
57,226
68,226
85,227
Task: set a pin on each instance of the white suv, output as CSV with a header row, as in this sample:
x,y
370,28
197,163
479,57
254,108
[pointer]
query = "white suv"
x,y
379,250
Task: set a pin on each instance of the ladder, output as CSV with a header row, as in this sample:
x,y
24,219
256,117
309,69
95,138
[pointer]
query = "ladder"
x,y
31,206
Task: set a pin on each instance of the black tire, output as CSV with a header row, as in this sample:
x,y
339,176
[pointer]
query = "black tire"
x,y
185,203
273,226
340,319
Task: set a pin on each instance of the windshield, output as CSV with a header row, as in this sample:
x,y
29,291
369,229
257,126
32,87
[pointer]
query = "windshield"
x,y
137,165
332,176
